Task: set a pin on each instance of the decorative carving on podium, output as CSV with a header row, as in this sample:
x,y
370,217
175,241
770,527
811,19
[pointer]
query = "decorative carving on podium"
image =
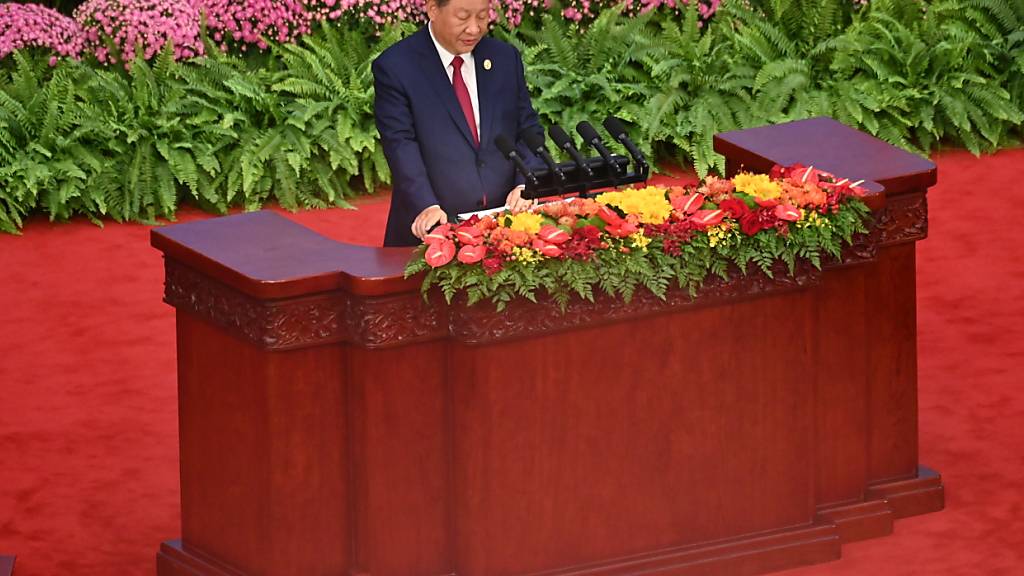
x,y
478,324
904,219
378,322
309,321
275,325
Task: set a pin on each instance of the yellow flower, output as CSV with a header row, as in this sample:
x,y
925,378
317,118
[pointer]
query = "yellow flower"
x,y
812,218
648,204
639,240
521,254
757,185
527,222
718,234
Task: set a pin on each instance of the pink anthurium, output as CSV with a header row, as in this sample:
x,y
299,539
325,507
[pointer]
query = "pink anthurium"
x,y
706,218
549,250
688,204
438,234
439,253
470,235
608,215
553,234
787,212
472,254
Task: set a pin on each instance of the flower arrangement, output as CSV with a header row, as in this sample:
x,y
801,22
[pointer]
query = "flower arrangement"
x,y
652,237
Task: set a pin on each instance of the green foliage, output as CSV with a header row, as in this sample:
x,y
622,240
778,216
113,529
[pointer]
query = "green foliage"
x,y
578,73
327,125
219,131
295,125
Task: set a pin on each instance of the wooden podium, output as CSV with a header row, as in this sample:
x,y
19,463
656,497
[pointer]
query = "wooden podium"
x,y
332,422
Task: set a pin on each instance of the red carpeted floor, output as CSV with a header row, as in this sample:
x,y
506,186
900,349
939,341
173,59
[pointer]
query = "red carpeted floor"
x,y
88,435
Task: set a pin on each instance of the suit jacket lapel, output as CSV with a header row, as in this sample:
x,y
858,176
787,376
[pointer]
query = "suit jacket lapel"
x,y
437,78
486,84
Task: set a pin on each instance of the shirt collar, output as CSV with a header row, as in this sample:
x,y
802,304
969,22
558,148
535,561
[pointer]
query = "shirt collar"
x,y
446,56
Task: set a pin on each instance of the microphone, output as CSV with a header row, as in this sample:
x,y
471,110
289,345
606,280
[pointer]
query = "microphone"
x,y
617,130
563,141
591,137
535,142
509,151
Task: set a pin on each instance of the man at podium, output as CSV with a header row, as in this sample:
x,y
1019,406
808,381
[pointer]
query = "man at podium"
x,y
442,95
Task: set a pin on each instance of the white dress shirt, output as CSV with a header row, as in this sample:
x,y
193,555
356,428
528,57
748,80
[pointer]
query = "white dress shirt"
x,y
468,75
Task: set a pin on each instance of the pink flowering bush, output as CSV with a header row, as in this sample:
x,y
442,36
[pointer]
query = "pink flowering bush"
x,y
578,10
119,29
243,23
24,25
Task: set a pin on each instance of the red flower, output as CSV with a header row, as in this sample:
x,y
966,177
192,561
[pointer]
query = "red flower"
x,y
439,253
492,265
469,234
758,220
687,204
622,229
553,234
549,250
611,217
751,225
706,218
472,254
589,234
440,233
787,212
735,207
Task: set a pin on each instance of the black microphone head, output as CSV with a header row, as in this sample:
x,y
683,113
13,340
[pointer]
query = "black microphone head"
x,y
559,136
587,131
504,145
534,138
615,127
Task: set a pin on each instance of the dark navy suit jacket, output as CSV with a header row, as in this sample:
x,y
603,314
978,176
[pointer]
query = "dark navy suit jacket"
x,y
426,140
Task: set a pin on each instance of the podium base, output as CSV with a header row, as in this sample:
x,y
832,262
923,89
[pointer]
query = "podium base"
x,y
747,555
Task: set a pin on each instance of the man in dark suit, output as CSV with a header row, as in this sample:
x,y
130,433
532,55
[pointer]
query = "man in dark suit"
x,y
442,95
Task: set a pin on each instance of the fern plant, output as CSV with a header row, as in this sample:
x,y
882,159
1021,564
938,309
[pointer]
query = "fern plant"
x,y
585,73
936,72
694,92
46,156
326,127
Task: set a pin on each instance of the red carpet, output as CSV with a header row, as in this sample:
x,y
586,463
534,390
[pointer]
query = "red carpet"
x,y
88,435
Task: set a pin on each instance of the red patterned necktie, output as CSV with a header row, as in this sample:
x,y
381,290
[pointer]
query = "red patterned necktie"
x,y
462,93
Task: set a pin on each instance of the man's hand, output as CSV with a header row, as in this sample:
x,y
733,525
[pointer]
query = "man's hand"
x,y
425,222
515,201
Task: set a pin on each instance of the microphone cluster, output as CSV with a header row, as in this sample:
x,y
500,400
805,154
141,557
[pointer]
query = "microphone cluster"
x,y
580,174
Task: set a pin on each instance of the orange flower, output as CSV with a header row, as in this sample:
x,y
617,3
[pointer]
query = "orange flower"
x,y
519,237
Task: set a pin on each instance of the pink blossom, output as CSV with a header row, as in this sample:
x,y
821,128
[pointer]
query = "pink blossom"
x,y
140,26
25,25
